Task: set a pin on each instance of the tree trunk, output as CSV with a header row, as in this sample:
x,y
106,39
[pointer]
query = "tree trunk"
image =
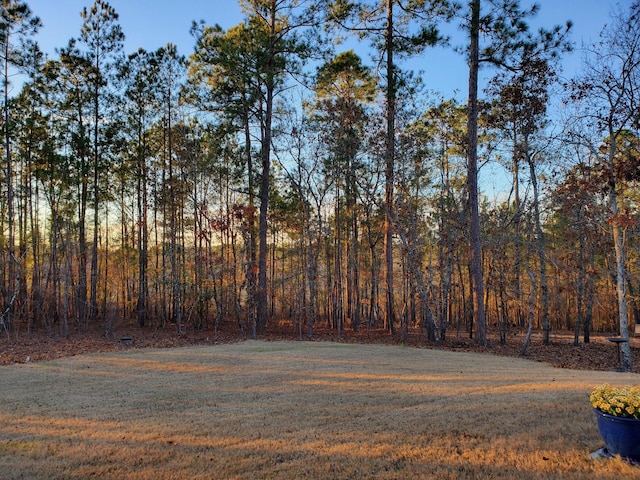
x,y
93,306
590,295
176,301
10,197
532,301
108,317
472,177
312,275
265,181
621,284
621,269
518,222
389,170
81,289
252,267
338,282
544,296
143,234
353,276
581,284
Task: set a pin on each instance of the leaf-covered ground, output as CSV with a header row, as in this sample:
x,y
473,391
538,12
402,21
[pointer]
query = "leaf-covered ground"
x,y
23,347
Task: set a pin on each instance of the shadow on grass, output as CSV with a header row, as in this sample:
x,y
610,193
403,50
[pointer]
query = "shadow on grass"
x,y
300,410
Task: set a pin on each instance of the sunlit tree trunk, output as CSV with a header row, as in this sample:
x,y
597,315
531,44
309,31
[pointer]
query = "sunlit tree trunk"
x,y
618,244
540,250
531,314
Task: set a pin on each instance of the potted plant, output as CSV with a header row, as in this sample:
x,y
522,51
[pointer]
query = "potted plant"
x,y
618,413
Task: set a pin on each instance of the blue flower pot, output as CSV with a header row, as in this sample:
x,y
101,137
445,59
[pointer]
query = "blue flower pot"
x,y
621,435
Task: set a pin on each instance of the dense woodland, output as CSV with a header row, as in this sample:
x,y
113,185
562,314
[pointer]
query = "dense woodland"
x,y
271,174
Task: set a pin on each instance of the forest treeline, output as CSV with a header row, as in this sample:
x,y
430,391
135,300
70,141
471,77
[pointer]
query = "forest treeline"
x,y
270,175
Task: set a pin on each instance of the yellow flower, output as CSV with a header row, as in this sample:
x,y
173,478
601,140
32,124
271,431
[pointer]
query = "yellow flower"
x,y
618,401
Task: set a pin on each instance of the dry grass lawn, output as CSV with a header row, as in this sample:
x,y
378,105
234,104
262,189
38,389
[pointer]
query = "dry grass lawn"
x,y
294,410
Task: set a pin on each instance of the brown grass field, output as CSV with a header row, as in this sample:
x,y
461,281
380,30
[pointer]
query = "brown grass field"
x,y
295,410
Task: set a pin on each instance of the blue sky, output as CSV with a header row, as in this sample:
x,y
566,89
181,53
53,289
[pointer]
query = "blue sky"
x,y
153,23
